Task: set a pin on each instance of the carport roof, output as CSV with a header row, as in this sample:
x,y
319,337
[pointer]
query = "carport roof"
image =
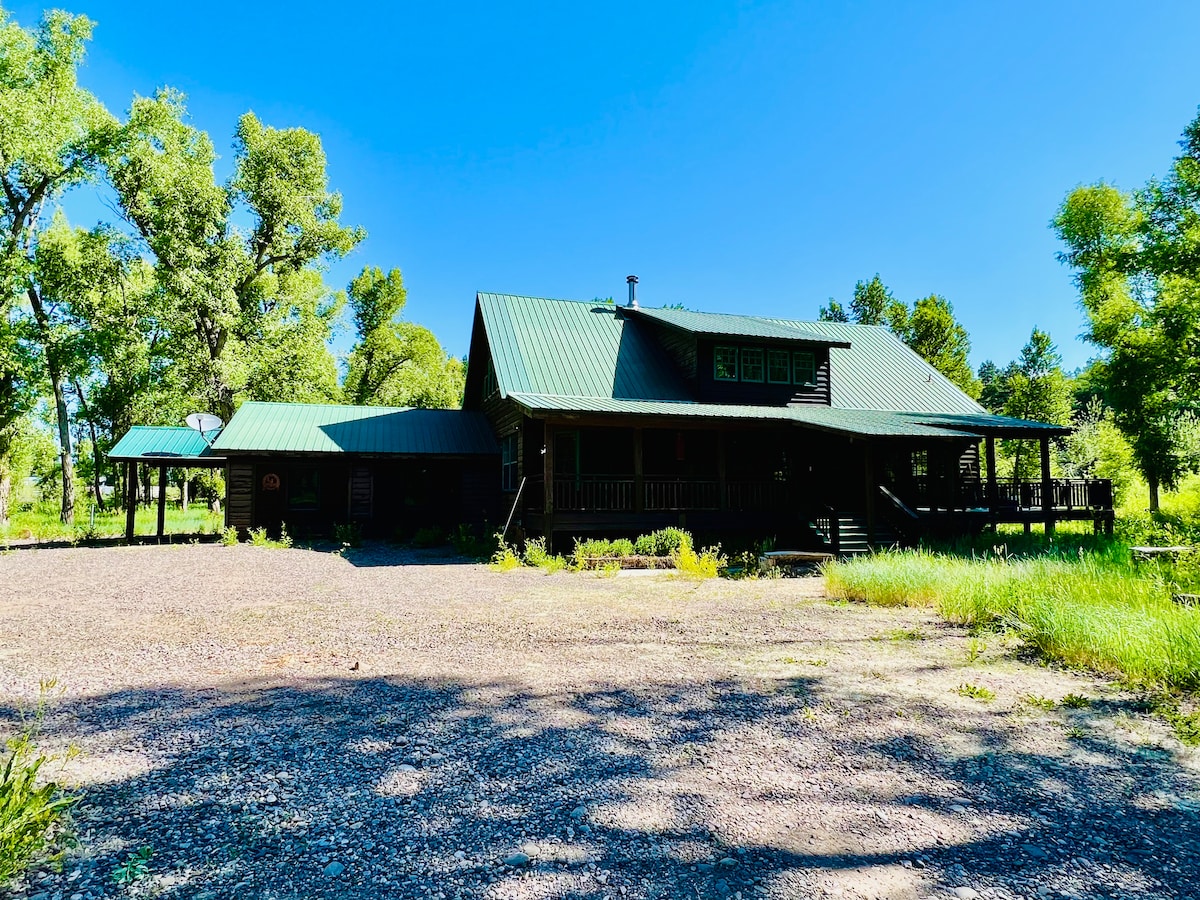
x,y
373,430
162,444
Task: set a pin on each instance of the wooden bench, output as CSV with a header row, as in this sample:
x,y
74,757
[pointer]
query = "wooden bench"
x,y
769,561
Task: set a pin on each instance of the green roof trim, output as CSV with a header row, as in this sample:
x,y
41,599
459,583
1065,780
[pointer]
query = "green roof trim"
x,y
371,430
729,325
160,443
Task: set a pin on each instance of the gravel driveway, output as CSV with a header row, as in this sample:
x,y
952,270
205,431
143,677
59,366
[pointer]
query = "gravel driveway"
x,y
294,724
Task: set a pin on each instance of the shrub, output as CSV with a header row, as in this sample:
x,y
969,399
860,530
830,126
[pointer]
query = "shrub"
x,y
33,816
260,538
429,536
348,535
505,559
708,563
664,542
537,555
466,541
229,536
588,554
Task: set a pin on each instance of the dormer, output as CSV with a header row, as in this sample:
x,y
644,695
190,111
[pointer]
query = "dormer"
x,y
743,360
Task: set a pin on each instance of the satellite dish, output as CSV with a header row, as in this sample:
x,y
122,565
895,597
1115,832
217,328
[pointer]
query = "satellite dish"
x,y
205,423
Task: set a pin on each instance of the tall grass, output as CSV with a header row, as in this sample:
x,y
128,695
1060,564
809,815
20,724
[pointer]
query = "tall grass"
x,y
41,522
1094,610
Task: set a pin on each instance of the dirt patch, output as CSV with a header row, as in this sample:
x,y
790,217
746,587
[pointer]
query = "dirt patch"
x,y
297,724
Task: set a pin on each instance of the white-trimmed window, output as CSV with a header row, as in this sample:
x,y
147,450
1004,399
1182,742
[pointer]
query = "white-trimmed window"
x,y
752,364
725,364
779,367
804,367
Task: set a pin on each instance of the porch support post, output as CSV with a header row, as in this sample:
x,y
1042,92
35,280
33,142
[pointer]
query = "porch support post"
x,y
639,474
722,494
548,486
1047,488
989,444
130,499
869,473
162,502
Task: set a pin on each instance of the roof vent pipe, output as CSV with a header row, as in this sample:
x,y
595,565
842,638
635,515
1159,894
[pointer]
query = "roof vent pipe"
x,y
632,280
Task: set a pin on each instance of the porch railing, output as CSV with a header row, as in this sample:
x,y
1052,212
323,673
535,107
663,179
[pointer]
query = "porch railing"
x,y
609,493
1066,494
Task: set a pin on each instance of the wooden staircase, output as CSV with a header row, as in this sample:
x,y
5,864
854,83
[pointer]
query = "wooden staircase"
x,y
853,539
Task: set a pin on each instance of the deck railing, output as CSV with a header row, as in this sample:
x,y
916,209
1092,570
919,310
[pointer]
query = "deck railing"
x,y
619,493
1066,494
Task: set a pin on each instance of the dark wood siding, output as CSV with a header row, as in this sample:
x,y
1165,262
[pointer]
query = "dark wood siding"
x,y
709,390
362,491
239,506
681,347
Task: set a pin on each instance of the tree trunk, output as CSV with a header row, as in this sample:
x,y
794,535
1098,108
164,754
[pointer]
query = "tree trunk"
x,y
64,444
1153,494
5,491
97,461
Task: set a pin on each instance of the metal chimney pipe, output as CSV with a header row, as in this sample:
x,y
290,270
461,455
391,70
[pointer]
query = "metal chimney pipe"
x,y
632,281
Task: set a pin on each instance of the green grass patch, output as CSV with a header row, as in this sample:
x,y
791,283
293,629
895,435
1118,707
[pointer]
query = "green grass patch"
x,y
40,522
1083,603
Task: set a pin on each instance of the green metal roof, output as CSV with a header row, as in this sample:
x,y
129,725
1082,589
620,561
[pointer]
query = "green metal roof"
x,y
376,430
158,443
574,348
849,421
727,325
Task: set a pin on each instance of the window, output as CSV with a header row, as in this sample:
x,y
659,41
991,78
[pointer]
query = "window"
x,y
725,364
779,370
920,463
489,381
752,364
804,363
508,462
304,488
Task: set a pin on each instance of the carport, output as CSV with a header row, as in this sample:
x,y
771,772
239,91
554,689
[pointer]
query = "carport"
x,y
165,447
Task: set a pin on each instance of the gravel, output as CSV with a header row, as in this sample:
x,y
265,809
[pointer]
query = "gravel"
x,y
288,724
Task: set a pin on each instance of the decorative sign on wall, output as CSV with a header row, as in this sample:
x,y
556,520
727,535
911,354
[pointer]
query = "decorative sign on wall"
x,y
270,482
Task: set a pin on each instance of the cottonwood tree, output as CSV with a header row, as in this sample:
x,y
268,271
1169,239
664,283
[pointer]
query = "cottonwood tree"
x,y
250,313
54,135
930,327
396,363
1137,266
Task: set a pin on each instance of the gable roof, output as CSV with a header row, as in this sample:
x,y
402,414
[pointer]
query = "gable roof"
x,y
593,357
377,430
159,443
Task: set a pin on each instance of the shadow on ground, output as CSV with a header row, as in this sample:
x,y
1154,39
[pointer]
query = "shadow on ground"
x,y
407,788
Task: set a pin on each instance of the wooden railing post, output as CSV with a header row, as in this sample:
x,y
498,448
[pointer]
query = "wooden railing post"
x,y
130,499
1047,488
548,477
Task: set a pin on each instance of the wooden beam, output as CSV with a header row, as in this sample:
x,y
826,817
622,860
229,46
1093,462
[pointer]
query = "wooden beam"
x,y
722,494
990,450
639,472
1047,487
869,472
130,499
162,502
548,486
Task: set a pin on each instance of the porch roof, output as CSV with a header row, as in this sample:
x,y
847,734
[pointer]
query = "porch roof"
x,y
375,430
162,444
856,422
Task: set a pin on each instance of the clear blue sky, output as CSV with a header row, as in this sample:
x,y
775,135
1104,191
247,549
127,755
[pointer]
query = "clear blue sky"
x,y
738,157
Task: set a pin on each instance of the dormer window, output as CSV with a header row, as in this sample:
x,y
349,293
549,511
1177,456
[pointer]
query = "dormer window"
x,y
779,367
725,364
804,365
752,364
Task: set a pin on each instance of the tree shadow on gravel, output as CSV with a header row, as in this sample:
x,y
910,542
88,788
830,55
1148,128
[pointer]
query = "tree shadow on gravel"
x,y
376,787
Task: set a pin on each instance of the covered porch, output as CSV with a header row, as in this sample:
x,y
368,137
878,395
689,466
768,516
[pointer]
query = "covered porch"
x,y
806,486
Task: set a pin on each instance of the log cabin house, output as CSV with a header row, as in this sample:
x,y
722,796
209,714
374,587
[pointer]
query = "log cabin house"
x,y
591,418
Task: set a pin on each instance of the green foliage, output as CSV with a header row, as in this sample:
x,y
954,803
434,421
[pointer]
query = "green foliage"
x,y
429,536
664,542
1097,449
40,521
536,555
594,551
468,542
975,692
1039,702
1134,260
1091,609
135,868
229,536
348,534
1075,701
33,809
505,558
708,563
260,538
